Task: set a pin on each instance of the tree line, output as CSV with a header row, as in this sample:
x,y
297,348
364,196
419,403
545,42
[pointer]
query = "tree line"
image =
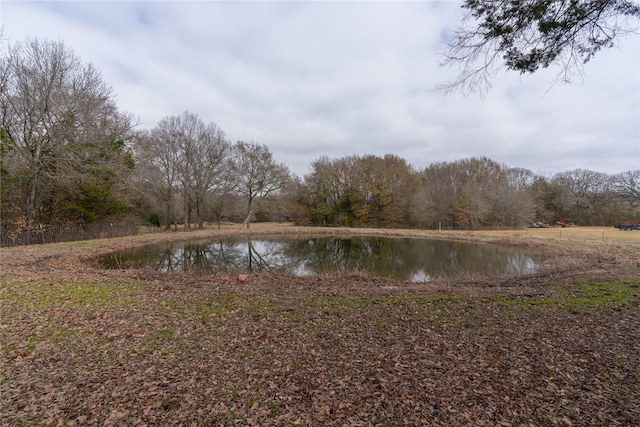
x,y
465,194
68,155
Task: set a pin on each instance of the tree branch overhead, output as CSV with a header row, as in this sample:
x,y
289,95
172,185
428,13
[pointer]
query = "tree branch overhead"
x,y
528,35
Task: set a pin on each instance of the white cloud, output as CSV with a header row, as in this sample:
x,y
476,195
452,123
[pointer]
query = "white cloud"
x,y
342,78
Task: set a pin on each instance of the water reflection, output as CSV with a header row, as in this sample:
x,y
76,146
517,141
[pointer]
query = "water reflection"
x,y
416,260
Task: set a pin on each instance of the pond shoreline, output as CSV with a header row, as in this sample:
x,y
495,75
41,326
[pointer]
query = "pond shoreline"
x,y
87,346
401,258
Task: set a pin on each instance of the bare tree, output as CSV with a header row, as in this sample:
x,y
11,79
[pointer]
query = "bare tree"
x,y
225,184
258,174
627,185
471,193
58,117
190,157
433,202
157,159
588,192
526,35
513,201
209,154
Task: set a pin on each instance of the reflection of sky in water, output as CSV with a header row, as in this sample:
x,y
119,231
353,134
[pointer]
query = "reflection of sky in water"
x,y
302,270
521,265
420,276
414,260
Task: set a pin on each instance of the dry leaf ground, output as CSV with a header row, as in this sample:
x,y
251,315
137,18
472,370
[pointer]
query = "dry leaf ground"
x,y
84,346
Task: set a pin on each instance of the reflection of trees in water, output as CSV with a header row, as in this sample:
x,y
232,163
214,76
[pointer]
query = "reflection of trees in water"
x,y
226,255
269,255
357,254
406,258
443,258
403,258
191,257
195,258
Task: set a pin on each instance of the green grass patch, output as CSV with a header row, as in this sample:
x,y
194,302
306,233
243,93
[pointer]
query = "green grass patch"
x,y
71,295
586,295
346,304
603,294
214,308
57,334
162,339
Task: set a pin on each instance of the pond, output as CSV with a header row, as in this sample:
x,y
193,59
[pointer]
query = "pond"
x,y
409,259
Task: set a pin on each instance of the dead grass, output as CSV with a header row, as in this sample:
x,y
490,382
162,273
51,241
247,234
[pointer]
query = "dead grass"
x,y
84,346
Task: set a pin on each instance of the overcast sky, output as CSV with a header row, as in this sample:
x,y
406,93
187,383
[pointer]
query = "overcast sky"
x,y
342,78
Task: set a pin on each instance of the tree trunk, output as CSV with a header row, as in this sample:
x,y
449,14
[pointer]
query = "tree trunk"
x,y
247,220
31,200
187,208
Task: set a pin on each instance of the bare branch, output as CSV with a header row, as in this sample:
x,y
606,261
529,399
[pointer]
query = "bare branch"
x,y
527,35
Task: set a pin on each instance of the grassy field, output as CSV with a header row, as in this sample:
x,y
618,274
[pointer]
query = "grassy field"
x,y
575,233
583,233
84,346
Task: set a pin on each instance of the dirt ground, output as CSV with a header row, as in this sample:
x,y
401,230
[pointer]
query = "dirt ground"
x,y
85,346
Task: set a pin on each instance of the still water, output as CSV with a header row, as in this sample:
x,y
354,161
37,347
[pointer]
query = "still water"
x,y
415,260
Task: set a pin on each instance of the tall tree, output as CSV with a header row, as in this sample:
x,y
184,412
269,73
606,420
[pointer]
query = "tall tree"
x,y
589,194
190,156
383,186
330,191
59,122
478,177
513,200
627,185
526,35
224,185
258,174
543,194
209,151
471,193
341,182
433,203
157,158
